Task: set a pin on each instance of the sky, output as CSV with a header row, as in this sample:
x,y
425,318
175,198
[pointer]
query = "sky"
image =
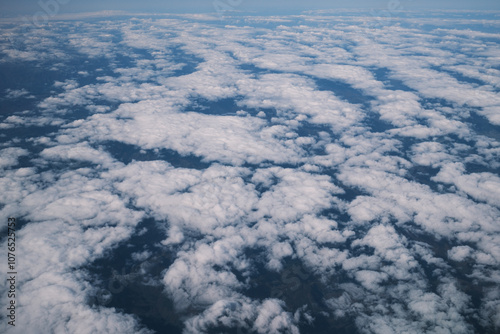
x,y
30,7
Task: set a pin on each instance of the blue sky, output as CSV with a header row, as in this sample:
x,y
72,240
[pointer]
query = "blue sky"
x,y
27,7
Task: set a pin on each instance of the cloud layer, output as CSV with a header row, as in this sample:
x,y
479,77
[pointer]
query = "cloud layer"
x,y
303,173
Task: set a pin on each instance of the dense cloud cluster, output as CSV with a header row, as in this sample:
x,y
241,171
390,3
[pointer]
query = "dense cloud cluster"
x,y
302,173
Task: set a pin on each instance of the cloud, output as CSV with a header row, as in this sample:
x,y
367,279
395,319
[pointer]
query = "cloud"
x,y
459,253
482,186
79,152
73,220
9,157
430,154
266,317
230,139
17,93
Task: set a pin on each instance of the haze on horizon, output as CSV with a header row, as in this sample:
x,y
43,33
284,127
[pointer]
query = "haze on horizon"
x,y
29,7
